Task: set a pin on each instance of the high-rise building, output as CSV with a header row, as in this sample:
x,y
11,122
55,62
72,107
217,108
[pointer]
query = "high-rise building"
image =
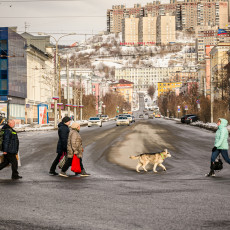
x,y
166,29
147,29
130,30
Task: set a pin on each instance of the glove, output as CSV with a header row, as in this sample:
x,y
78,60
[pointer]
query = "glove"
x,y
214,149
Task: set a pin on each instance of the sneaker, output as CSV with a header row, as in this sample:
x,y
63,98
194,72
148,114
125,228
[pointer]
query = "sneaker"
x,y
53,173
84,173
63,174
17,177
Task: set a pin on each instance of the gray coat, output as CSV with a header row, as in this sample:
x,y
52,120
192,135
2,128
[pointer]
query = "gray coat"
x,y
74,144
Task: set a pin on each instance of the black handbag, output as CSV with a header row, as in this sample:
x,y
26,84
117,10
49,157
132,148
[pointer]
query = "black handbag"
x,y
218,165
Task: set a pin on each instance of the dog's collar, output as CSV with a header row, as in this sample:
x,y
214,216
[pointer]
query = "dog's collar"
x,y
162,156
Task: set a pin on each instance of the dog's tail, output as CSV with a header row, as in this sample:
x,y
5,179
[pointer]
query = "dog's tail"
x,y
134,157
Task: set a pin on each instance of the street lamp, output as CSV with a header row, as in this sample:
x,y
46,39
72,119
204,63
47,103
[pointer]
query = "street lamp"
x,y
58,80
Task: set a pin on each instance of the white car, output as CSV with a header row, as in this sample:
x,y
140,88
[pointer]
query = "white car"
x,y
105,117
122,120
94,121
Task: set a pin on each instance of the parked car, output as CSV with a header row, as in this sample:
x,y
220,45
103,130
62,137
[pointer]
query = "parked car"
x,y
157,115
94,121
141,116
185,117
122,120
191,119
105,117
150,116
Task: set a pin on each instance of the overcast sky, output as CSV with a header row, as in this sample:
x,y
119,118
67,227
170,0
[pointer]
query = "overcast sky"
x,y
54,16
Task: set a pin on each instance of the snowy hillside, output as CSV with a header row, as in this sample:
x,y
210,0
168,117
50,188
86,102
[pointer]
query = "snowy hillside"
x,y
104,53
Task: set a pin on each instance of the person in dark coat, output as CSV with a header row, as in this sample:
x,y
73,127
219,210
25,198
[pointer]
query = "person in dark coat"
x,y
10,146
63,133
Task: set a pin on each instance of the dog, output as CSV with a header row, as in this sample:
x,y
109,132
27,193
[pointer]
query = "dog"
x,y
153,158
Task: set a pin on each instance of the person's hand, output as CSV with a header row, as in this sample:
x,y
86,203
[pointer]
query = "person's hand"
x,y
4,153
214,149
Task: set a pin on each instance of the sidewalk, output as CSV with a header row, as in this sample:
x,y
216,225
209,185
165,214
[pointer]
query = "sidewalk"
x,y
201,124
46,127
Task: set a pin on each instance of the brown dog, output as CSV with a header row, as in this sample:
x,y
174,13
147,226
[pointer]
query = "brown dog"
x,y
152,158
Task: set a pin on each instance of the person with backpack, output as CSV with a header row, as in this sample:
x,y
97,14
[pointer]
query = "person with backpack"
x,y
10,146
63,133
220,145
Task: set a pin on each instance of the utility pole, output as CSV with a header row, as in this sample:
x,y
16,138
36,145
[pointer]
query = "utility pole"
x,y
59,77
211,89
67,75
74,96
81,99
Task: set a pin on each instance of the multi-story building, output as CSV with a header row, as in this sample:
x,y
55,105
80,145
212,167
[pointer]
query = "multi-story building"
x,y
218,60
147,29
130,30
124,88
164,87
116,15
13,73
209,36
166,29
40,75
145,77
188,13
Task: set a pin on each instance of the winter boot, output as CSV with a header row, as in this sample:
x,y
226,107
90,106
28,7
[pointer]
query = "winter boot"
x,y
212,172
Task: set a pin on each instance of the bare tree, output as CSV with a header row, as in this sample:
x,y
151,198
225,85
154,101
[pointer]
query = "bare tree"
x,y
151,91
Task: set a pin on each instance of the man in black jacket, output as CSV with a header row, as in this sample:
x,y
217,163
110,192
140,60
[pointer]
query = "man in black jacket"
x,y
63,133
10,146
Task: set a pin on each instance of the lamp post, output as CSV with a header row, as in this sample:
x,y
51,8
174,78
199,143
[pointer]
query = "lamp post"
x,y
58,80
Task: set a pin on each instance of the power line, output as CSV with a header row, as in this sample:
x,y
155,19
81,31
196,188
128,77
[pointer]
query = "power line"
x,y
83,16
40,1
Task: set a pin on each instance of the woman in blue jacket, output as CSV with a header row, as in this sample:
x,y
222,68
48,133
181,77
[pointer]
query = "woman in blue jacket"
x,y
221,144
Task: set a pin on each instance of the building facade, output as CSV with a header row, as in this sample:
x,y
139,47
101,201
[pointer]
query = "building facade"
x,y
166,29
40,75
13,72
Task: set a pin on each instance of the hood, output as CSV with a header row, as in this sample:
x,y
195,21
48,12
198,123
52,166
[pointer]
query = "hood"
x,y
223,123
6,126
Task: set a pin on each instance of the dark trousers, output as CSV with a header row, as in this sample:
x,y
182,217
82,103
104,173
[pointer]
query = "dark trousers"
x,y
10,159
224,154
68,163
55,162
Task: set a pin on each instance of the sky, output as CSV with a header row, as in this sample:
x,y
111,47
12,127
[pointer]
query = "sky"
x,y
57,17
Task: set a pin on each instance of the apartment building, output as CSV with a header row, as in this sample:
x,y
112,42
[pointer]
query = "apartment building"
x,y
164,87
130,30
204,13
147,30
145,77
116,15
166,29
188,13
218,60
209,36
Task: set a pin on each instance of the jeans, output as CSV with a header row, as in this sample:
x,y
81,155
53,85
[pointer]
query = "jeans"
x,y
55,162
10,159
223,152
68,163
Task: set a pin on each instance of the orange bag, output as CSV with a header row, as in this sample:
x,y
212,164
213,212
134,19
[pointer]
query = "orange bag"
x,y
75,167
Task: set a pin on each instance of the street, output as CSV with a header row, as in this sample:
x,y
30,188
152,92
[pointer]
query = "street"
x,y
115,196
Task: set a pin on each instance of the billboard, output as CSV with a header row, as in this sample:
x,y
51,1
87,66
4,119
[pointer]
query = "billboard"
x,y
43,114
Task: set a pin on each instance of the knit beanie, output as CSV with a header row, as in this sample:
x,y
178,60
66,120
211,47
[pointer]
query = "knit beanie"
x,y
65,119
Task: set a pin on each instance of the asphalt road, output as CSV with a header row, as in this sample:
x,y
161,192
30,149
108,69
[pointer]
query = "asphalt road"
x,y
115,196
